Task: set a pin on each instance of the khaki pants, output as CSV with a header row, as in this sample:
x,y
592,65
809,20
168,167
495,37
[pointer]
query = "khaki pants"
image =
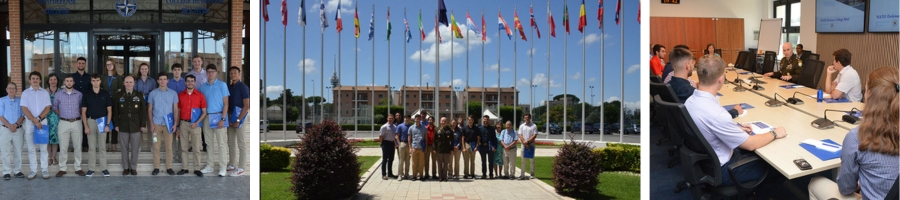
x,y
163,136
434,161
65,131
455,162
403,156
509,161
237,153
95,138
33,148
418,160
443,165
468,160
216,142
190,137
527,161
428,158
11,150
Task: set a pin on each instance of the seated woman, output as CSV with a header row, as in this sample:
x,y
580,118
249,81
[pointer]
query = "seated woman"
x,y
869,158
711,50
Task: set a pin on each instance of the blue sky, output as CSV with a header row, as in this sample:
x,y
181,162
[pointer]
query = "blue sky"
x,y
275,41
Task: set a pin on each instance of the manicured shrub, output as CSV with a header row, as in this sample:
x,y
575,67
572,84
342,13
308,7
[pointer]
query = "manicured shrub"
x,y
325,166
273,158
575,169
620,157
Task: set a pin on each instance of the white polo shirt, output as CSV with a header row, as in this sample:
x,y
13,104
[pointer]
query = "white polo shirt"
x,y
35,100
720,131
527,130
847,81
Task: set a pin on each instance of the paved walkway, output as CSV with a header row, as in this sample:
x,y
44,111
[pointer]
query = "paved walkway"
x,y
376,188
119,187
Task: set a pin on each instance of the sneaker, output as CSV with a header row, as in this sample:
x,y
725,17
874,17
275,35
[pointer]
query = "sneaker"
x,y
182,172
20,175
399,178
6,177
383,177
222,173
60,173
45,174
32,175
230,169
198,173
239,171
80,173
105,173
89,173
206,170
155,172
170,172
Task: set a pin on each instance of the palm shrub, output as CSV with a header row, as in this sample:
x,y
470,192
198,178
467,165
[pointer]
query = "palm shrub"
x,y
575,169
325,166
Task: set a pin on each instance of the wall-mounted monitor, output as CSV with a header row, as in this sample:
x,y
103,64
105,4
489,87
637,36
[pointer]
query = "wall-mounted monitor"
x,y
884,16
840,16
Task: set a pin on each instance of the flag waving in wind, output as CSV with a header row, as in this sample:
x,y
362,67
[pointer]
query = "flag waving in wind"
x,y
301,16
503,26
338,23
437,31
471,25
582,18
455,28
483,28
408,34
550,21
284,12
533,23
265,4
618,6
421,28
566,18
389,24
356,21
442,13
518,25
600,14
372,26
322,19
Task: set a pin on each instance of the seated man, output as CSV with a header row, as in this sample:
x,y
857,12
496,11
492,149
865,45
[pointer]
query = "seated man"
x,y
847,82
656,66
683,62
790,69
721,132
668,71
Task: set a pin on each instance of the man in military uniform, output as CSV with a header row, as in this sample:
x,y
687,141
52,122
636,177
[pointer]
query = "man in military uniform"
x,y
443,143
790,65
130,115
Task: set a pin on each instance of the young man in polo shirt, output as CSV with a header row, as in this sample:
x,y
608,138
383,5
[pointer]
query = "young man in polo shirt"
x,y
161,102
67,103
96,104
176,83
11,134
387,136
189,132
402,136
527,134
216,93
36,106
846,84
239,98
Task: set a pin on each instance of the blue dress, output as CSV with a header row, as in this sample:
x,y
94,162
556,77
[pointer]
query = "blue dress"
x,y
498,154
53,121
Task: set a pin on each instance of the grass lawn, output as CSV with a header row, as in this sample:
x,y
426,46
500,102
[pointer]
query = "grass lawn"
x,y
277,185
613,185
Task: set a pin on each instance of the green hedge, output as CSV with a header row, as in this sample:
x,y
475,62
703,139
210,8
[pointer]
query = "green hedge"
x,y
273,158
620,157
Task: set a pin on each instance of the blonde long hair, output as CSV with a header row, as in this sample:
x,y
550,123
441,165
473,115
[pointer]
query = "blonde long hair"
x,y
878,129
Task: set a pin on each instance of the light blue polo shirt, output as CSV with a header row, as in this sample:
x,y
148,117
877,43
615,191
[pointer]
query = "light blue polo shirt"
x,y
11,109
214,94
163,102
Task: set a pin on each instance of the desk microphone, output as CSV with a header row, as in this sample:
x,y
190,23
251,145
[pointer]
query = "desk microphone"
x,y
824,123
740,87
774,101
757,87
794,100
851,118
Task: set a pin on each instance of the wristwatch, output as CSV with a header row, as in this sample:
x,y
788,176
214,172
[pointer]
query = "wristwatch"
x,y
238,120
774,135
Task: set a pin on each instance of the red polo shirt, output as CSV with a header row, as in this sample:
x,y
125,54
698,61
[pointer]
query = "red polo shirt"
x,y
429,139
187,101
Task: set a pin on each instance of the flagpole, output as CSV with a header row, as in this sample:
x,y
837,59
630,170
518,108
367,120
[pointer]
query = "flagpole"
x,y
355,98
531,68
421,32
547,102
602,78
452,38
389,66
498,75
372,98
437,68
583,81
483,106
338,104
265,79
284,90
465,95
515,69
322,76
565,73
403,88
622,86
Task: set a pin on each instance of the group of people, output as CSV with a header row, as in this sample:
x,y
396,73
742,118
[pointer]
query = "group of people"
x,y
123,111
870,157
423,142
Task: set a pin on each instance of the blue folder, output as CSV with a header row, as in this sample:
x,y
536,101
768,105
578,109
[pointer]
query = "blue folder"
x,y
743,106
42,135
101,124
528,152
170,121
234,115
791,86
841,100
822,154
195,116
719,94
745,73
214,120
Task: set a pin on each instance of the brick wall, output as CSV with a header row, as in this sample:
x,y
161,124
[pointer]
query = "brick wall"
x,y
235,35
15,43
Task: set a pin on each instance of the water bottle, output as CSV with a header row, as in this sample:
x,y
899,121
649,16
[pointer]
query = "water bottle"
x,y
154,137
819,95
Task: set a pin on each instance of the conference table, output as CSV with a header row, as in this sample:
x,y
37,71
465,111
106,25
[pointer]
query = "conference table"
x,y
795,119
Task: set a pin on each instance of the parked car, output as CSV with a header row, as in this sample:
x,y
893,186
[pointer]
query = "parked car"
x,y
611,128
263,126
305,126
599,129
589,129
555,129
633,129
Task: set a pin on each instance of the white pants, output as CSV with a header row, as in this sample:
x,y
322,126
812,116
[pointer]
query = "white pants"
x,y
32,148
65,131
525,162
509,161
237,153
824,188
11,148
215,140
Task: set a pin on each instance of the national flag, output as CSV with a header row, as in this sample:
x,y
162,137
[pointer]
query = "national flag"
x,y
356,21
372,26
600,15
639,12
483,28
437,31
566,18
533,23
301,15
582,18
618,6
471,25
455,28
550,21
518,25
442,13
284,12
389,24
421,28
265,4
322,20
338,23
503,26
408,34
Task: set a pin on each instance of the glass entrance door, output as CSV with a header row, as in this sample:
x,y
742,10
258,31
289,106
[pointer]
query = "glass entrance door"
x,y
127,52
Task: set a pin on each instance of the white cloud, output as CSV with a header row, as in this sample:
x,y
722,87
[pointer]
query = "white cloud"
x,y
612,98
590,38
493,68
458,45
576,76
494,85
531,51
330,7
310,65
274,89
540,80
592,79
456,83
426,77
633,68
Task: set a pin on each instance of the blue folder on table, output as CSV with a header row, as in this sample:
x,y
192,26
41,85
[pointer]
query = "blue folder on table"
x,y
234,115
42,135
841,100
745,73
195,116
101,124
719,94
743,106
170,122
791,86
822,154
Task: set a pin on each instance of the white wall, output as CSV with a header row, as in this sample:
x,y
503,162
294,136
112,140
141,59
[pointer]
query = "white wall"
x,y
752,11
808,34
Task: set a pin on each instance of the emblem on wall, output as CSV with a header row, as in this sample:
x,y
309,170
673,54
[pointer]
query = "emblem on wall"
x,y
126,8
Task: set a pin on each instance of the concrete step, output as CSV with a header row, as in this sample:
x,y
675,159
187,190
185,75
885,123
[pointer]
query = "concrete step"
x,y
114,164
